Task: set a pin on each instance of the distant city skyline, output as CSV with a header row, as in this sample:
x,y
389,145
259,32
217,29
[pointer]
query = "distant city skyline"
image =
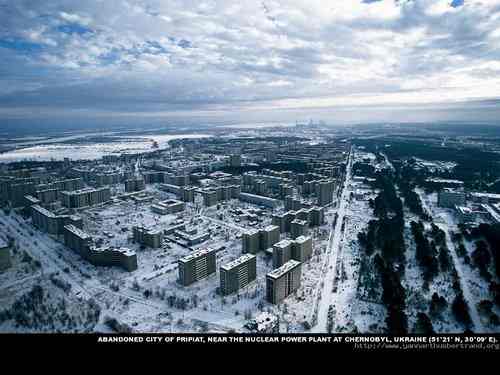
x,y
137,62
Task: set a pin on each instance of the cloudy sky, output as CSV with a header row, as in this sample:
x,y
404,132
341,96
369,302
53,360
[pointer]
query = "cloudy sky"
x,y
337,60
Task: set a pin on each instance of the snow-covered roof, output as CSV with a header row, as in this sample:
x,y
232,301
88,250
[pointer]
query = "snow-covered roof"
x,y
196,254
287,267
235,263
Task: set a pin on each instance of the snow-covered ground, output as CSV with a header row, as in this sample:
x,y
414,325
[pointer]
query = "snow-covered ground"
x,y
49,150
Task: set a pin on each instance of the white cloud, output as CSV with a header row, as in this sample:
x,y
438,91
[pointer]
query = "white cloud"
x,y
297,54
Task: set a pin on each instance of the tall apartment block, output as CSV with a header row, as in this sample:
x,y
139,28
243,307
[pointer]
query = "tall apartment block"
x,y
299,249
210,198
324,192
251,241
302,249
269,236
48,222
81,242
103,179
197,266
238,274
134,184
282,253
77,240
298,228
314,216
317,216
187,194
153,177
283,281
112,256
47,196
85,197
256,240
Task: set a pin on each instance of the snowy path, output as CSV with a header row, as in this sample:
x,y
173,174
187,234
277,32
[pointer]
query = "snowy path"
x,y
20,281
43,249
476,321
328,293
52,255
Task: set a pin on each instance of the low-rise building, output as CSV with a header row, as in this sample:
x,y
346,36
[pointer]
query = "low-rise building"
x,y
269,236
251,241
298,228
146,237
77,240
264,323
302,249
449,198
169,206
48,222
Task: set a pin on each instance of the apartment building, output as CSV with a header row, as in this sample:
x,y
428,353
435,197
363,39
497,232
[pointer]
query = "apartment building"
x,y
85,197
197,266
238,274
147,237
283,281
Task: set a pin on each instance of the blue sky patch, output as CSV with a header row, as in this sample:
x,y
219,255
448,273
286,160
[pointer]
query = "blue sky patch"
x,y
20,45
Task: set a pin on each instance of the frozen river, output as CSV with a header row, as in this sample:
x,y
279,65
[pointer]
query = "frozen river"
x,y
57,151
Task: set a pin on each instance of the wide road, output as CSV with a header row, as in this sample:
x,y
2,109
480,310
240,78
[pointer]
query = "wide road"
x,y
328,294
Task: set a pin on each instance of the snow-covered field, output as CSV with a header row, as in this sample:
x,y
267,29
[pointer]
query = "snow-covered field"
x,y
88,151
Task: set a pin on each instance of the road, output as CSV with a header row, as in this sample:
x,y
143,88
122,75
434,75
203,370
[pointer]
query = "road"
x,y
328,293
53,259
56,258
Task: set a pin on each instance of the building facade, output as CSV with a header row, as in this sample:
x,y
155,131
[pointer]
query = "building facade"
x,y
197,266
283,281
238,274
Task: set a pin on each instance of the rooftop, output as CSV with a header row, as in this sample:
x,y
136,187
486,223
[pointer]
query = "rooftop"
x,y
285,268
85,190
77,231
121,250
237,262
302,239
196,254
486,195
251,232
270,228
283,243
43,211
